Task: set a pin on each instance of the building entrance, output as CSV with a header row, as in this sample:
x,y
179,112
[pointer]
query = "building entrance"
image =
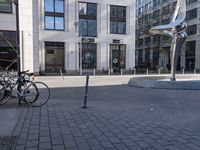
x,y
89,56
117,57
54,57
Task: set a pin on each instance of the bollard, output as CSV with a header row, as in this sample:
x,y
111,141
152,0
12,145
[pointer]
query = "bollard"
x,y
81,72
134,71
94,72
108,72
183,71
86,92
159,71
147,71
121,72
195,71
61,74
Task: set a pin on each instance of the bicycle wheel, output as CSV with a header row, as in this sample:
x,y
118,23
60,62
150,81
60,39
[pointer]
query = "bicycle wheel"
x,y
5,92
37,94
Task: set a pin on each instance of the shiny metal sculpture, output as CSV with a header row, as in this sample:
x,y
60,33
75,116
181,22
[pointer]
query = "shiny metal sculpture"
x,y
176,30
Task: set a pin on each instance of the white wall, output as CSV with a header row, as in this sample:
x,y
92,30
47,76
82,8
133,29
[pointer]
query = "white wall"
x,y
33,34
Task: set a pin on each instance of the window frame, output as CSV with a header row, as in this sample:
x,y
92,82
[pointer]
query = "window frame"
x,y
88,18
117,19
54,14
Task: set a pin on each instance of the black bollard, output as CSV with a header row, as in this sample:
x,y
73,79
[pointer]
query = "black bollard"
x,y
86,92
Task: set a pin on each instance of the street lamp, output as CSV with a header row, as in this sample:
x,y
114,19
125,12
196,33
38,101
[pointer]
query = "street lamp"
x,y
16,3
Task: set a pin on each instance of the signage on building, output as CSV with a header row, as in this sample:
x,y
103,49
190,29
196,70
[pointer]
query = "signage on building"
x,y
88,40
116,41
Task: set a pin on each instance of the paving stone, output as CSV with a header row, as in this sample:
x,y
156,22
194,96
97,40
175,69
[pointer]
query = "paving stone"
x,y
58,147
121,146
45,146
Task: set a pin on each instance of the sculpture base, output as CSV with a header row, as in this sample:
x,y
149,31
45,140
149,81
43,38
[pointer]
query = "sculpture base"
x,y
184,82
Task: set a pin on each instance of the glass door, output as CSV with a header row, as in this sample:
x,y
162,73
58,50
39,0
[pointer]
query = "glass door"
x,y
117,57
54,57
89,56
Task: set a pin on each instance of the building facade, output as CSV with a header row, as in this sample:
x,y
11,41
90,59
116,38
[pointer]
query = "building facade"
x,y
71,35
154,51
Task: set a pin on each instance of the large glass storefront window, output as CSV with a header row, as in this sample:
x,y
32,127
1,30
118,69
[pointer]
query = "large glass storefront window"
x,y
88,19
89,55
54,14
117,57
117,19
54,56
5,6
8,53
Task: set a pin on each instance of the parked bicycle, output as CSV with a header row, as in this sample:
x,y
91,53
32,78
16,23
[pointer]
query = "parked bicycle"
x,y
24,88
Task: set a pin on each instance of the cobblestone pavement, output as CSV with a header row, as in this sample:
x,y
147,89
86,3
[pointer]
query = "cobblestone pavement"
x,y
118,117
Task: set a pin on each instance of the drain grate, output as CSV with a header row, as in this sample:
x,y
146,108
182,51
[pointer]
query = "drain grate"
x,y
7,142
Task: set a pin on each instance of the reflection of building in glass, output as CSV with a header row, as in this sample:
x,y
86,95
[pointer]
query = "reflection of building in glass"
x,y
73,35
154,51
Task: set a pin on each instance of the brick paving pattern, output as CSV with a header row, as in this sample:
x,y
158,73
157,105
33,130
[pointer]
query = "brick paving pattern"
x,y
56,127
117,118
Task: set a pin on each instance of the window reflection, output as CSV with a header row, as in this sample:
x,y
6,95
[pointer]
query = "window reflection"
x,y
54,14
5,6
48,5
59,23
59,6
49,22
87,19
118,19
82,8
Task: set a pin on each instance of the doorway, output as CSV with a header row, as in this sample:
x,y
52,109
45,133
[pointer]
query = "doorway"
x,y
117,57
54,57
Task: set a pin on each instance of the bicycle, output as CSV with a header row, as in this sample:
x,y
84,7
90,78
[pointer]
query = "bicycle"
x,y
34,94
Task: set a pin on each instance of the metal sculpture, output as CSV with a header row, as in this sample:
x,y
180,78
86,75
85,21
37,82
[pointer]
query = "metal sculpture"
x,y
176,30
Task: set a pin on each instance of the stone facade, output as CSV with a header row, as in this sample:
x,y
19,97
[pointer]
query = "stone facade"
x,y
33,34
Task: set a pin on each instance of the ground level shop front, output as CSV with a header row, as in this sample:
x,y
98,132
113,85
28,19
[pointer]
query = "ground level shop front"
x,y
85,56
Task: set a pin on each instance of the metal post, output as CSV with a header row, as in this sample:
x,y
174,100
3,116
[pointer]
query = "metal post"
x,y
183,70
147,71
195,71
17,36
159,71
80,59
86,92
108,71
61,74
94,72
134,71
121,72
18,45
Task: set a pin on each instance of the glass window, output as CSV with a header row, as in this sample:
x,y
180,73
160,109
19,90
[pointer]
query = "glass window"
x,y
92,27
49,22
5,6
121,27
59,6
118,20
82,8
87,19
92,9
113,28
59,23
122,12
54,14
113,11
83,27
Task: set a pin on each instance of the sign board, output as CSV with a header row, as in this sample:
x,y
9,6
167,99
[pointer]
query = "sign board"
x,y
116,41
88,40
